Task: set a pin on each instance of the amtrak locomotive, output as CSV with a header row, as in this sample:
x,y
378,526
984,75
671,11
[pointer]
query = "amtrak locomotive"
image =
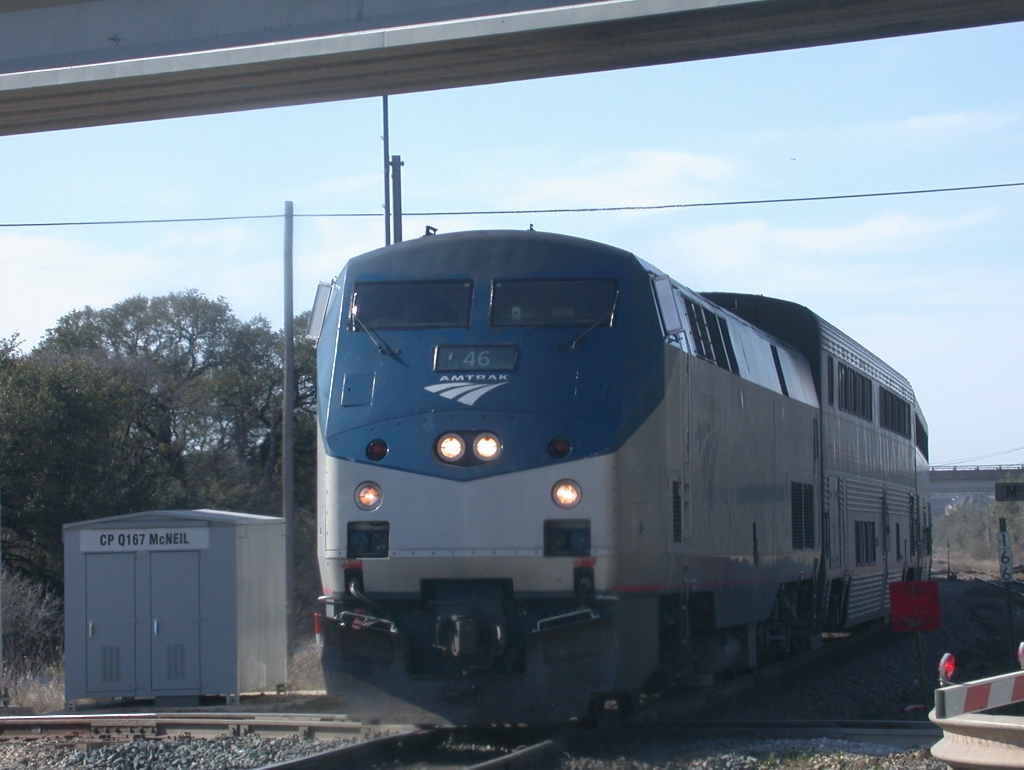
x,y
552,478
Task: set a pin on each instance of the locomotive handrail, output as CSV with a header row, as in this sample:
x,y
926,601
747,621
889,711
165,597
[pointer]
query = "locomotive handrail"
x,y
566,619
358,622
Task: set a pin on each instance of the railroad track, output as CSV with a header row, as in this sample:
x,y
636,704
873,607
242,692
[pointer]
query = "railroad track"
x,y
437,749
905,734
465,749
110,728
677,707
396,746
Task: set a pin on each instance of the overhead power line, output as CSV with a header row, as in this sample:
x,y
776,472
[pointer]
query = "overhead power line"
x,y
981,457
497,212
753,202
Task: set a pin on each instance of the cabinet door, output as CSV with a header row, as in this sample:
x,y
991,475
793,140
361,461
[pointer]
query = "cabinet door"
x,y
110,615
174,620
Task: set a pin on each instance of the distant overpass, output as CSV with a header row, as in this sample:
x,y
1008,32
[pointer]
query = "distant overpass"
x,y
73,63
952,483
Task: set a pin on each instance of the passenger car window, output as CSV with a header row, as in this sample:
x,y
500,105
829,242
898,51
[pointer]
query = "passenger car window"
x,y
566,302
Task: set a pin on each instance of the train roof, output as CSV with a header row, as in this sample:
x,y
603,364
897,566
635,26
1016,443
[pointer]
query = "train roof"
x,y
478,247
791,323
809,333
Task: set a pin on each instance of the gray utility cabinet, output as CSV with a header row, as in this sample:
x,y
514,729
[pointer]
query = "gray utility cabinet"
x,y
174,605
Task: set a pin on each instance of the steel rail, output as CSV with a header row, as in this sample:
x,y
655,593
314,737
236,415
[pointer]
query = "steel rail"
x,y
520,758
384,749
411,748
906,734
126,726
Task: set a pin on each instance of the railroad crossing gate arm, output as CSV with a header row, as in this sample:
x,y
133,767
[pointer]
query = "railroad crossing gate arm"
x,y
958,699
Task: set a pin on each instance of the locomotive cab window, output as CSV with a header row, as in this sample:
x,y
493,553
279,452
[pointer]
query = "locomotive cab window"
x,y
588,302
410,305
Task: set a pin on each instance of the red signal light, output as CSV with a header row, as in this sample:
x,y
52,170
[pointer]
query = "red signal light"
x,y
947,667
376,449
559,447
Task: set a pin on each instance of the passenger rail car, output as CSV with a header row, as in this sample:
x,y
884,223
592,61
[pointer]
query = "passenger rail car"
x,y
552,477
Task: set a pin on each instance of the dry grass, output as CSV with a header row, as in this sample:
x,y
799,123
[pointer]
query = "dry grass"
x,y
964,565
40,693
304,672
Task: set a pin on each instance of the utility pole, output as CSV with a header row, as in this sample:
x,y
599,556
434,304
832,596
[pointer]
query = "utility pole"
x,y
287,427
3,690
396,191
387,176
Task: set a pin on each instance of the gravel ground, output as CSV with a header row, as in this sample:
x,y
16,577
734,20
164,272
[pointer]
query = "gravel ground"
x,y
184,754
878,680
783,755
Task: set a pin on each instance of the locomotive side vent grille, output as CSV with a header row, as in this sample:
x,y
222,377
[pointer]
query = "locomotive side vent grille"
x,y
677,514
803,515
826,520
914,532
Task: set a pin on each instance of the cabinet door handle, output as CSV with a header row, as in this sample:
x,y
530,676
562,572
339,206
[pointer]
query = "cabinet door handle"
x,y
91,628
156,626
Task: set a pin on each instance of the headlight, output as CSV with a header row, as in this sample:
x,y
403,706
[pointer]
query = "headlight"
x,y
368,496
450,447
566,493
486,446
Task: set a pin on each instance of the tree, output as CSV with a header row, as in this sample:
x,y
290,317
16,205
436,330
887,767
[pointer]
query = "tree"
x,y
169,402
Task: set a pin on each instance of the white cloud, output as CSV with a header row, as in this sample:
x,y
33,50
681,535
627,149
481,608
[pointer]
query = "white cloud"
x,y
757,250
44,277
638,178
919,131
543,177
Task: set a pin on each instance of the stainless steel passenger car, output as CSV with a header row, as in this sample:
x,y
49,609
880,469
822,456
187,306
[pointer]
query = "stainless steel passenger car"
x,y
551,477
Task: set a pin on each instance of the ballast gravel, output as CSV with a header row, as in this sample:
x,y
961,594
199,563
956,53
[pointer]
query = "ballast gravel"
x,y
180,754
823,754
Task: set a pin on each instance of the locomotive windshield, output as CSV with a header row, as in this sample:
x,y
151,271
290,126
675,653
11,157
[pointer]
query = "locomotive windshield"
x,y
568,302
410,304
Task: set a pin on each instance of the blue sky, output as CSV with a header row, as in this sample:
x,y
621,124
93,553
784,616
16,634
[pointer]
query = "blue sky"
x,y
930,283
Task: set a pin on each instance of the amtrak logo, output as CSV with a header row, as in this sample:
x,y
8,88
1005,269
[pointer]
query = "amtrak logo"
x,y
467,388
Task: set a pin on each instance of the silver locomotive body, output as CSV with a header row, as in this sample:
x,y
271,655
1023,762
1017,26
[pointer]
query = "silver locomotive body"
x,y
691,525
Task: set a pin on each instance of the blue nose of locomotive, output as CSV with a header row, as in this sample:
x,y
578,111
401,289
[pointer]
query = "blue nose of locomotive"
x,y
476,354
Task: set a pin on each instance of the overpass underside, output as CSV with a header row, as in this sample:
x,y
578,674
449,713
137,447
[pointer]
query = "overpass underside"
x,y
976,484
113,81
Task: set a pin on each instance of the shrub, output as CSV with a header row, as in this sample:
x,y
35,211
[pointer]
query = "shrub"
x,y
33,625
